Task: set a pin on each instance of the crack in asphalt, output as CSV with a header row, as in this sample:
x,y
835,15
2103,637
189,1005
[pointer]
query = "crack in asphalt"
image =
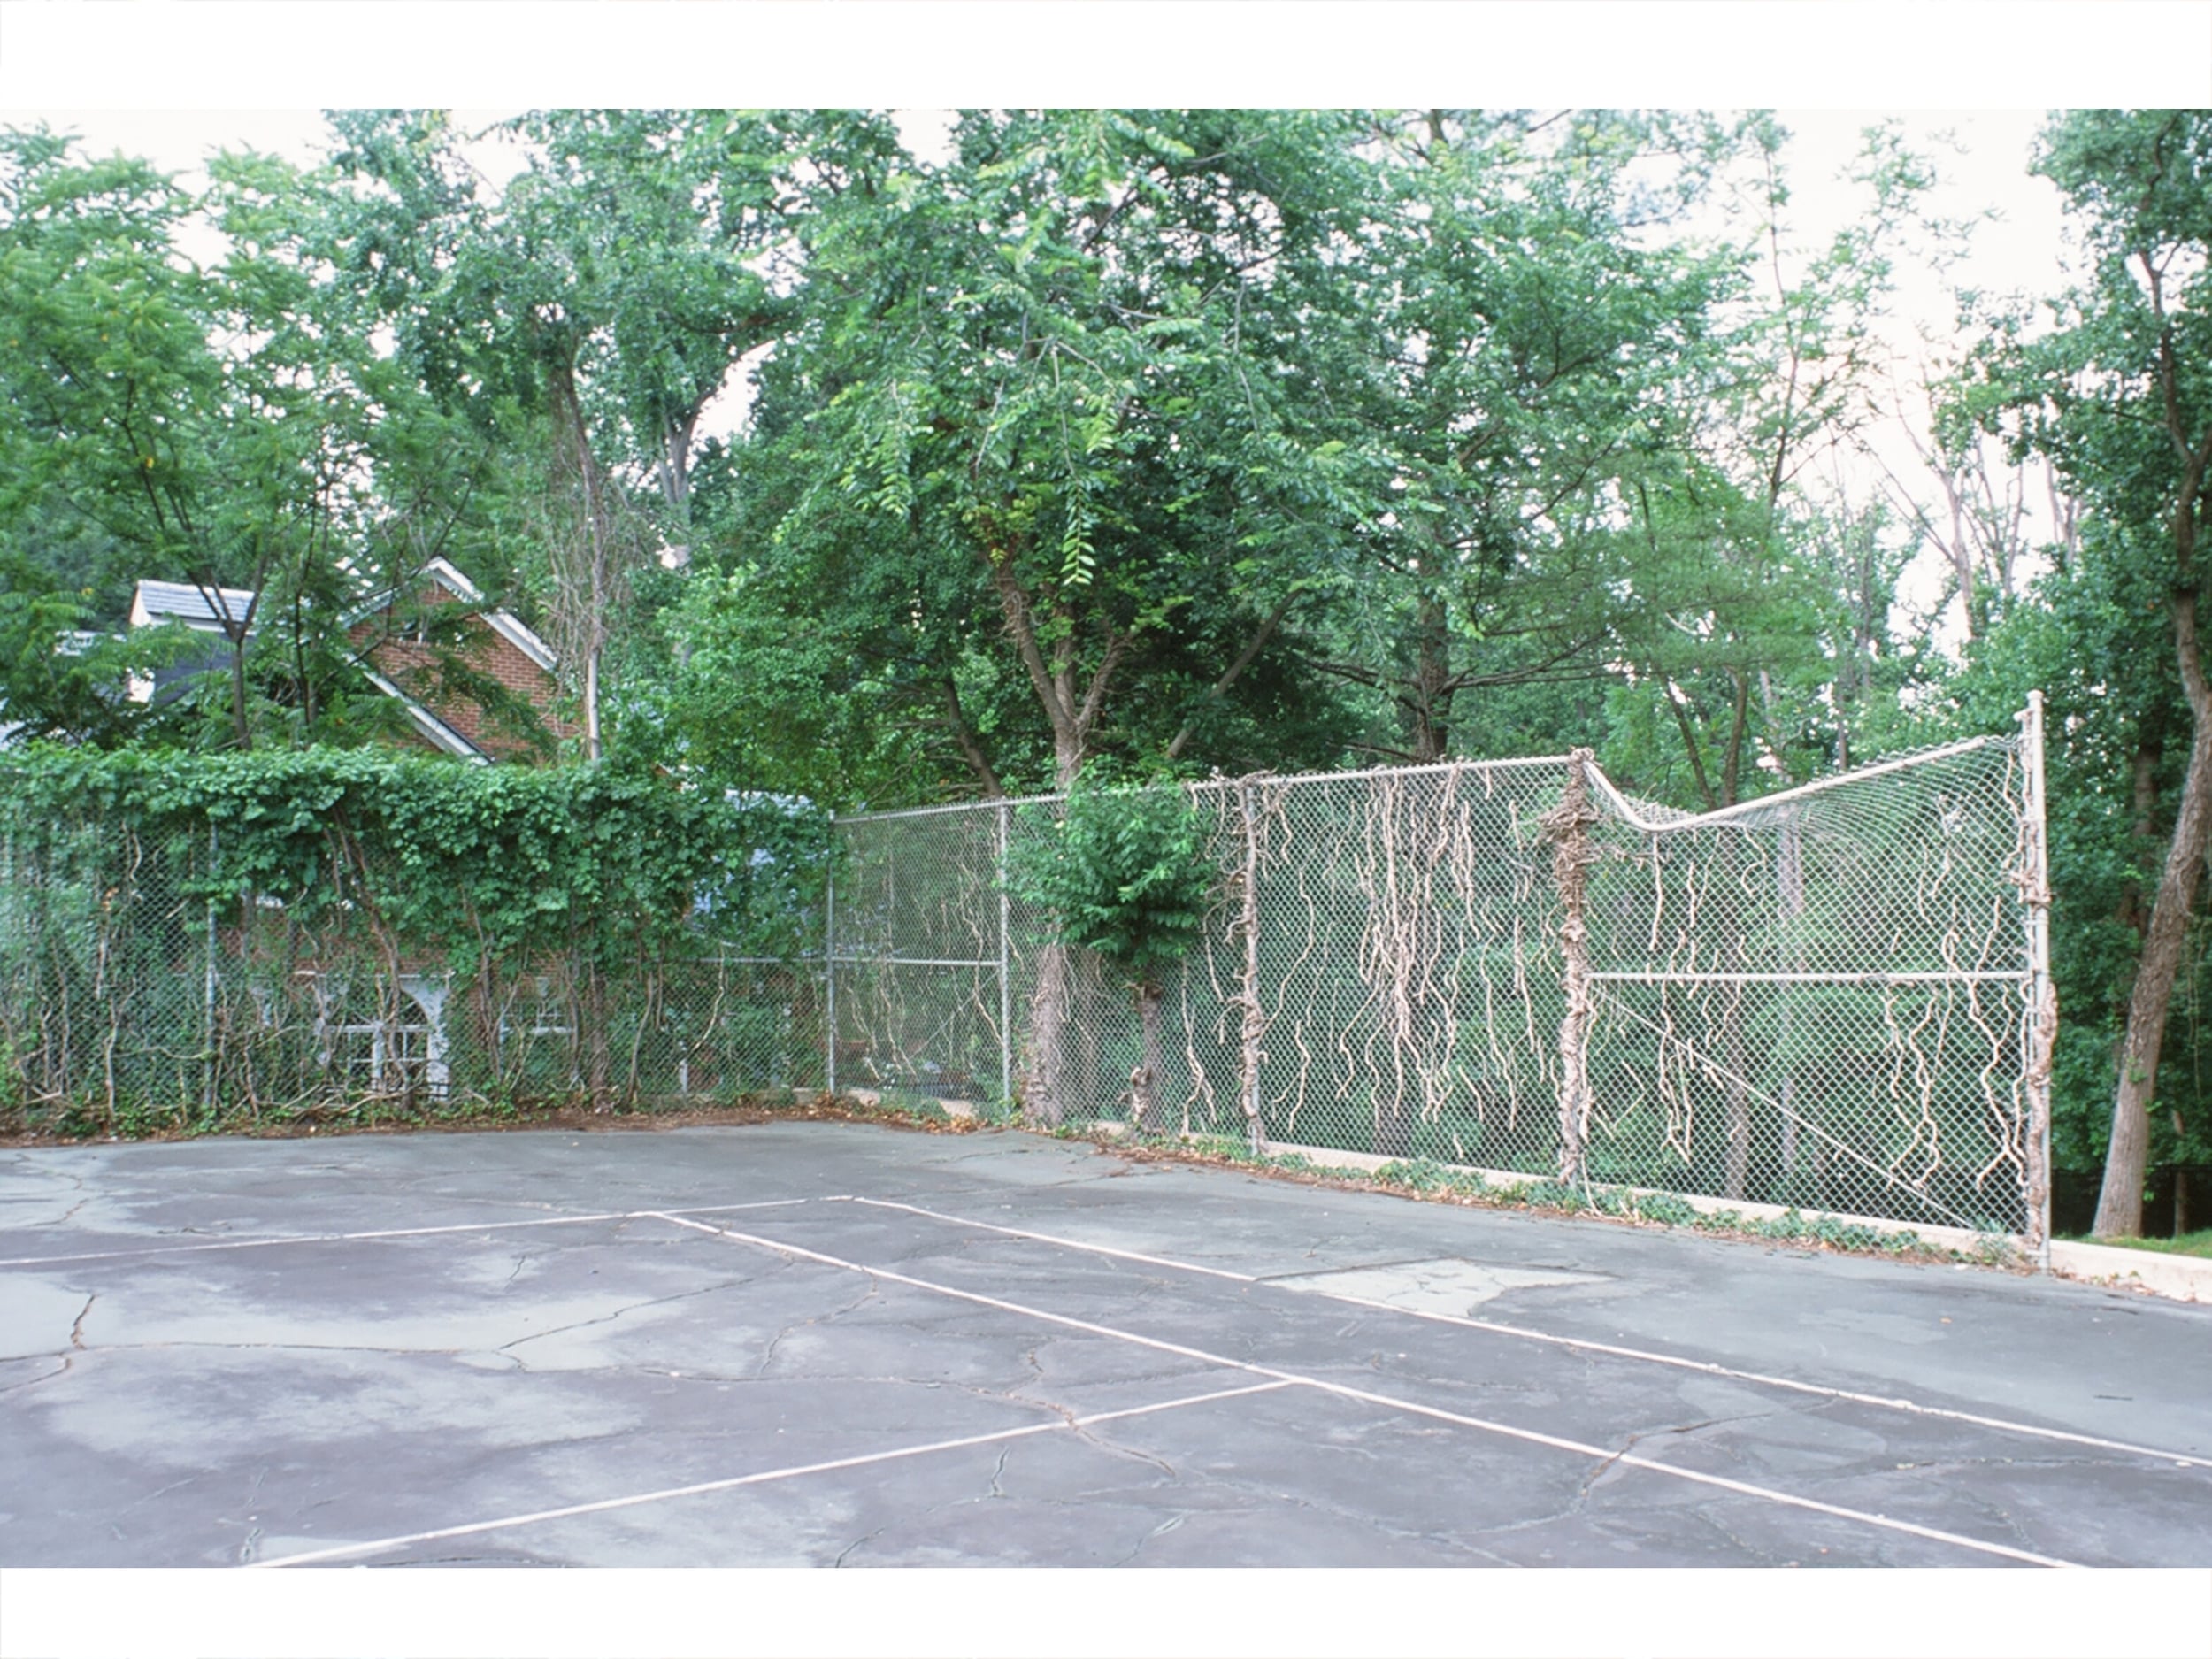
x,y
1641,1435
60,1371
1114,1449
159,1492
768,1356
606,1319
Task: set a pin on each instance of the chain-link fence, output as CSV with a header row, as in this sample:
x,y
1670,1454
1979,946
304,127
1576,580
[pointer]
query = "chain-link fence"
x,y
129,1002
1831,998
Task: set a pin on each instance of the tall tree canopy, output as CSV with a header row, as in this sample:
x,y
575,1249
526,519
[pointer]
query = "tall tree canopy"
x,y
2119,392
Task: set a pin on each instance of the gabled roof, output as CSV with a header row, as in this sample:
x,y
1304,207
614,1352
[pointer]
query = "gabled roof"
x,y
500,622
153,604
434,730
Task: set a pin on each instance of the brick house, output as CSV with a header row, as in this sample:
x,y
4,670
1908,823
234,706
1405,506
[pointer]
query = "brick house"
x,y
391,646
380,1033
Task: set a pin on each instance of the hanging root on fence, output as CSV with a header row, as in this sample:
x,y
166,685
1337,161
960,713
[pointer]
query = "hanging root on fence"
x,y
1567,827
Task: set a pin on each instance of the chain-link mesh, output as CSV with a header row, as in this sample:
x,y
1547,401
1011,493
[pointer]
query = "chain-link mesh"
x,y
915,954
1822,999
1819,1000
106,990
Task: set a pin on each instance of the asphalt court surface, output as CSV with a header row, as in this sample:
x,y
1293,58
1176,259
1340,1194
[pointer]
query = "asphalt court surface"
x,y
815,1344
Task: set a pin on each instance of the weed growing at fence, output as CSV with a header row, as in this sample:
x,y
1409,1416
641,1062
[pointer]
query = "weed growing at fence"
x,y
1123,873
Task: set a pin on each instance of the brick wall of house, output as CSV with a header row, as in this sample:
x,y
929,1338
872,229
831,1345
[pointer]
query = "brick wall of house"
x,y
410,666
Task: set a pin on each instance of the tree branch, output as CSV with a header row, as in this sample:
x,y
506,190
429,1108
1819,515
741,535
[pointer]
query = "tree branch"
x,y
1220,687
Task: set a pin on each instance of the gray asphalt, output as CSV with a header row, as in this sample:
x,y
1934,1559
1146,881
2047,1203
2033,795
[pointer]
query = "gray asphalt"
x,y
999,1348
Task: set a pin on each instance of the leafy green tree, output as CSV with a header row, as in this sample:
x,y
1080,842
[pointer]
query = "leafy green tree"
x,y
2118,394
2093,635
1123,872
218,425
583,320
1032,415
1498,343
59,677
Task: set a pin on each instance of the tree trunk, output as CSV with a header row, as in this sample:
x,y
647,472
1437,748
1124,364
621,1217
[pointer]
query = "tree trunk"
x,y
1144,1083
599,1069
591,698
1690,746
2120,1203
1044,1089
585,596
1431,686
1740,719
1567,826
1044,1083
1072,712
241,727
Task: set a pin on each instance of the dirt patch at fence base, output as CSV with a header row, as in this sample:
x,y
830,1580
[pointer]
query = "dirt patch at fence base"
x,y
818,1109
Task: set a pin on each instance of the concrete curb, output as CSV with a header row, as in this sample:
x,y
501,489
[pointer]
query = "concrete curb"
x,y
2179,1277
2182,1278
874,1097
1960,1239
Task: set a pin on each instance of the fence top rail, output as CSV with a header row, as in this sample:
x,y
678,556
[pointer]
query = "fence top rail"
x,y
1210,785
1629,809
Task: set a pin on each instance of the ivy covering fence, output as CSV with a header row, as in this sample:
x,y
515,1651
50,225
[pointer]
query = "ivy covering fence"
x,y
194,940
1834,998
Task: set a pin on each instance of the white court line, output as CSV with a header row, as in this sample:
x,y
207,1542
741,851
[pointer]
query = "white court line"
x,y
1414,1408
1043,1238
378,1546
390,1232
1681,1362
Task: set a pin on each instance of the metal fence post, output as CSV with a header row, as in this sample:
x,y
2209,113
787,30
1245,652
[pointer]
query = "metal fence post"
x,y
2041,1014
1005,968
1248,1059
1568,827
207,1029
829,964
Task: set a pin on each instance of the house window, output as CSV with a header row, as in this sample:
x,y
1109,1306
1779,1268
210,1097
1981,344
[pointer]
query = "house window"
x,y
382,1057
390,1045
